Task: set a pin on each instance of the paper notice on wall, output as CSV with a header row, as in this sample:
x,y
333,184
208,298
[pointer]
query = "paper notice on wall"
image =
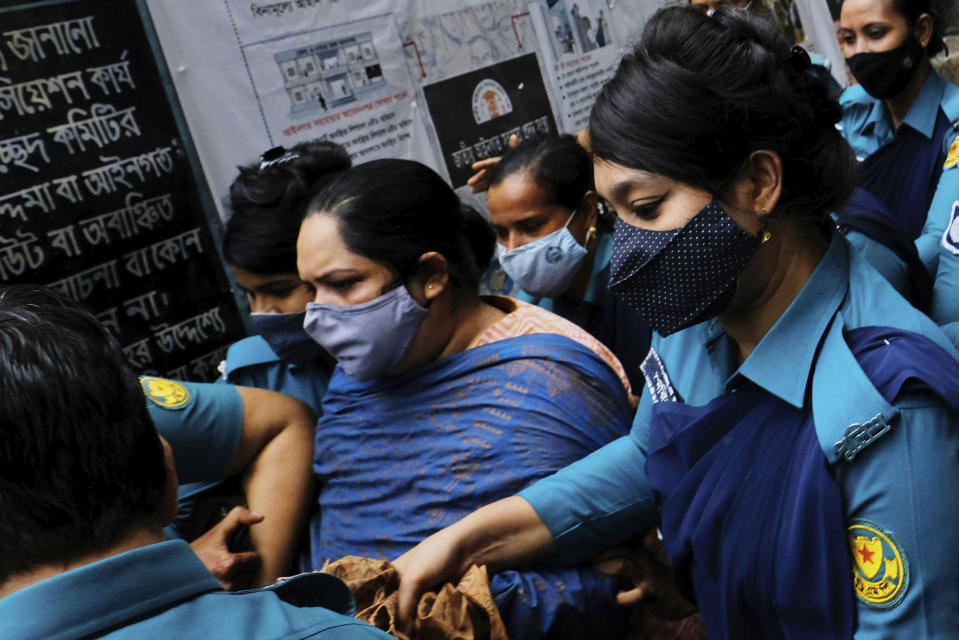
x,y
580,52
344,83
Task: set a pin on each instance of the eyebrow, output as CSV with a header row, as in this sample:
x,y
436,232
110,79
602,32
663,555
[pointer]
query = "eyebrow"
x,y
335,272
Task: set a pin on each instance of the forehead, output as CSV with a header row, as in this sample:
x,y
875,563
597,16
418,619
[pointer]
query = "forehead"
x,y
859,12
320,248
518,196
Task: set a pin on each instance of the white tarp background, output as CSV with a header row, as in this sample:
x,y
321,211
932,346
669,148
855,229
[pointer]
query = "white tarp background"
x,y
252,75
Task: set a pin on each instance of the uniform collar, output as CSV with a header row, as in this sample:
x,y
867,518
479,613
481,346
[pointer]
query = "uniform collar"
x,y
925,108
921,115
782,361
106,594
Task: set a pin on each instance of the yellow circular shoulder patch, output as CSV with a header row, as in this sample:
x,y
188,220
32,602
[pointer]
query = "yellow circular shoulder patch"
x,y
952,158
165,393
880,573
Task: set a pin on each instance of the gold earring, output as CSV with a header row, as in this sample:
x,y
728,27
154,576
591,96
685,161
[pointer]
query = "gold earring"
x,y
590,234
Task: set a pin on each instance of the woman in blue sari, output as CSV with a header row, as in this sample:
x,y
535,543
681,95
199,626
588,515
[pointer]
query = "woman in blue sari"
x,y
443,400
797,440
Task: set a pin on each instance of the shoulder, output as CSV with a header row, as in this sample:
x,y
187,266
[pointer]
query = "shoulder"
x,y
312,605
249,351
526,319
855,97
176,400
950,102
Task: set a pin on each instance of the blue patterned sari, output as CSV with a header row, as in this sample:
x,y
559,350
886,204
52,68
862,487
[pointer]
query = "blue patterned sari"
x,y
400,458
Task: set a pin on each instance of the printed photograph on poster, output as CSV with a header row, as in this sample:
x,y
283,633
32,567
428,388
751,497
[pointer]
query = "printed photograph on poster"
x,y
447,44
343,83
474,114
577,26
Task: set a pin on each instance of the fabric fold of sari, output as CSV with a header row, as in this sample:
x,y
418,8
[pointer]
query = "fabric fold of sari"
x,y
400,458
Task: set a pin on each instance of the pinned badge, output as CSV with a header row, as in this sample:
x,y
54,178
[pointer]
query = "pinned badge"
x,y
880,574
165,393
950,239
952,158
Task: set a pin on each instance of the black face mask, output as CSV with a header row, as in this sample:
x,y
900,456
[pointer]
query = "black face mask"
x,y
884,74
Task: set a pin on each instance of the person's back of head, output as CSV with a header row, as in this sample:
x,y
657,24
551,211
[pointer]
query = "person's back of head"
x,y
394,211
267,202
81,466
700,93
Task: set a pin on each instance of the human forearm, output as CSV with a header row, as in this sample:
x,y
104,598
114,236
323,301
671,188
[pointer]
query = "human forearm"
x,y
503,534
279,485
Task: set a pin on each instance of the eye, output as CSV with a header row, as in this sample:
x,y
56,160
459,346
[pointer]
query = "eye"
x,y
531,226
848,38
501,233
342,285
649,210
877,34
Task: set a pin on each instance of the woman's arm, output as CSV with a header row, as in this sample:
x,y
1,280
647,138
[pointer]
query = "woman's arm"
x,y
503,534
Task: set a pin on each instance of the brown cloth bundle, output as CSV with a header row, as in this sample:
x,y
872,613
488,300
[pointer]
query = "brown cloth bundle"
x,y
465,611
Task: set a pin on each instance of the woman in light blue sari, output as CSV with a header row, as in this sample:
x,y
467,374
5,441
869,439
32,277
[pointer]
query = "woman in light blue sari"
x,y
443,400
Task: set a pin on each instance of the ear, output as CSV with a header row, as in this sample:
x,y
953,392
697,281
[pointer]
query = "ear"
x,y
169,505
924,29
432,276
590,209
766,171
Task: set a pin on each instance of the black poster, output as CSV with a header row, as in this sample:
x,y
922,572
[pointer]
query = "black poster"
x,y
475,113
98,198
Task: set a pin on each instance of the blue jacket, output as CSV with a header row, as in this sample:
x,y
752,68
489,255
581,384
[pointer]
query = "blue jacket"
x,y
163,591
901,482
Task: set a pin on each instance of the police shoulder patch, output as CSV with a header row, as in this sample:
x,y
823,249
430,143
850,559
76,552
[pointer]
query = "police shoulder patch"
x,y
952,156
880,572
950,239
165,393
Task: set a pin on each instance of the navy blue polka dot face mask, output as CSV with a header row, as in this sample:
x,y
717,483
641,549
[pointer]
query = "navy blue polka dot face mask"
x,y
680,277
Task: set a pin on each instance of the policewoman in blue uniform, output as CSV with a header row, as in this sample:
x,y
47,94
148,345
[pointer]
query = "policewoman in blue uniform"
x,y
556,247
796,441
902,120
266,202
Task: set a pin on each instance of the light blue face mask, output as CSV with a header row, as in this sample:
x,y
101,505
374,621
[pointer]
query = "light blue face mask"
x,y
369,339
545,267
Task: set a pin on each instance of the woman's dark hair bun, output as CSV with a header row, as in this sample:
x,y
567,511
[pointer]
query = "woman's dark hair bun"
x,y
699,93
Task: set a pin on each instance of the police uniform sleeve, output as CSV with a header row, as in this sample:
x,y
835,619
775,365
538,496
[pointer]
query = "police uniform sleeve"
x,y
901,524
941,210
202,422
600,500
945,292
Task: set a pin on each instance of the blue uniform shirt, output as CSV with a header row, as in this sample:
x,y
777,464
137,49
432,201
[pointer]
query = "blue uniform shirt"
x,y
203,423
901,483
163,591
252,363
601,314
934,116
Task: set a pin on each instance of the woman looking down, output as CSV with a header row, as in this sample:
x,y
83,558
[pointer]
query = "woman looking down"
x,y
788,443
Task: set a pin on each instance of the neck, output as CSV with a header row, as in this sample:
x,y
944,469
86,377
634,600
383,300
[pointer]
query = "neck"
x,y
790,257
899,105
577,290
140,537
471,317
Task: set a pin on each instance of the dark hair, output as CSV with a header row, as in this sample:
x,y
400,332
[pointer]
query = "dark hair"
x,y
268,203
393,211
558,164
912,9
80,462
698,94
